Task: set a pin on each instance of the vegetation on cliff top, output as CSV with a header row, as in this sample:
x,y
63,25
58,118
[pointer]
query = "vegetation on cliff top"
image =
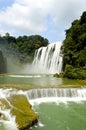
x,y
22,47
74,49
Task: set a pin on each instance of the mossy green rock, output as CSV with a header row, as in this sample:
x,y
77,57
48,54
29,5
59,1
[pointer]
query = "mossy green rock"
x,y
25,116
21,109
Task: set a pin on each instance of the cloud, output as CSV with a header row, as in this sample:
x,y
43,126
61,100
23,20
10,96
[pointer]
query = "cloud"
x,y
32,16
25,16
65,11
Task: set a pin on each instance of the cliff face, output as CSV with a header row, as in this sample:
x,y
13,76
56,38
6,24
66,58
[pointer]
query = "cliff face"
x,y
3,66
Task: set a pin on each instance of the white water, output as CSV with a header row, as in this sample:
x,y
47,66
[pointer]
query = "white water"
x,y
9,122
57,92
25,76
48,59
56,95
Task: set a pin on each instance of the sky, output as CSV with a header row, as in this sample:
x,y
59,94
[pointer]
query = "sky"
x,y
48,18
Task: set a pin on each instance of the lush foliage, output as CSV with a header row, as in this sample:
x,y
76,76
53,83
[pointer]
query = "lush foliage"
x,y
23,46
74,48
74,73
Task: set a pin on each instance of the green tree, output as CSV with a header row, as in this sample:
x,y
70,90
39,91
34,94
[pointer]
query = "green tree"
x,y
74,45
22,46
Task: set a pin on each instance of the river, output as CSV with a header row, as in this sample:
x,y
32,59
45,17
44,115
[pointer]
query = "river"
x,y
55,113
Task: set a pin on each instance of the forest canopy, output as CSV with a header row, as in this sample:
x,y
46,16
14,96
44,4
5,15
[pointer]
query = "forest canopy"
x,y
74,49
23,46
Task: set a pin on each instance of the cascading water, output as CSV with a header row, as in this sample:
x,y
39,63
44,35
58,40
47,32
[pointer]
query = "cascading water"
x,y
48,59
7,121
56,95
56,92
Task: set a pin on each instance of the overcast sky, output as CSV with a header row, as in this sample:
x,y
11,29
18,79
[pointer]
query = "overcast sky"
x,y
48,18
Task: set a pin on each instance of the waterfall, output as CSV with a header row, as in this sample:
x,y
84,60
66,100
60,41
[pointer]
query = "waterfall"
x,y
57,92
48,59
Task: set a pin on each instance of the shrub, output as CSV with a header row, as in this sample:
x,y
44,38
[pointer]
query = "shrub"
x,y
74,73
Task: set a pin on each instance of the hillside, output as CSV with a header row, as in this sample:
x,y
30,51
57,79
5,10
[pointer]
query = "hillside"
x,y
22,47
74,49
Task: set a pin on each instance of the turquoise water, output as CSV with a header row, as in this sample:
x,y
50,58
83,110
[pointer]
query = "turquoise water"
x,y
40,81
71,116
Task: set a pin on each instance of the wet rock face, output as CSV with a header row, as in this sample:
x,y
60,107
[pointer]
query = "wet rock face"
x,y
3,66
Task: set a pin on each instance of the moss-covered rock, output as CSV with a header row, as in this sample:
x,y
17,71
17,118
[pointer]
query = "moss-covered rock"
x,y
25,116
21,109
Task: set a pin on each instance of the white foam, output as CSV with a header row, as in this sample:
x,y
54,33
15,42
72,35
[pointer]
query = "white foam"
x,y
4,93
25,76
40,124
56,100
7,125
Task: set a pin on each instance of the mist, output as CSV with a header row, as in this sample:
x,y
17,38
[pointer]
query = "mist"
x,y
13,64
47,60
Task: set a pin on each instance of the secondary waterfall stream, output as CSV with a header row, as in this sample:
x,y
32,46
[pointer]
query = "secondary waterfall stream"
x,y
57,92
7,121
